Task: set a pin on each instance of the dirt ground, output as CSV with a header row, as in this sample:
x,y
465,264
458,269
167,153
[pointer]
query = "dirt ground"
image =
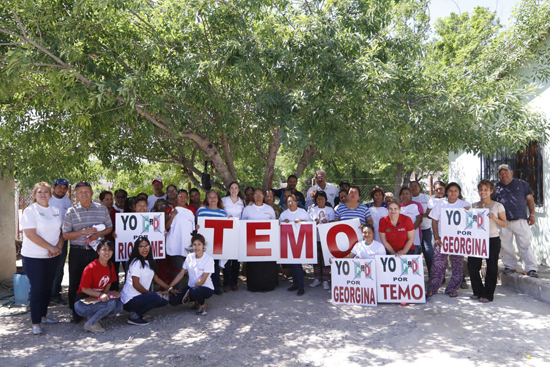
x,y
281,329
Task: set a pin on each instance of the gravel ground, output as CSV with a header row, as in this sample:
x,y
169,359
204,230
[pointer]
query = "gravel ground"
x,y
281,329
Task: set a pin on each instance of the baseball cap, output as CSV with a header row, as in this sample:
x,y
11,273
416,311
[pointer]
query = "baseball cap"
x,y
61,181
156,180
82,184
504,166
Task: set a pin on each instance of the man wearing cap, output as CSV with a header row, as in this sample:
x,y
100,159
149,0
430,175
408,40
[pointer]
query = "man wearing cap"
x,y
516,195
81,227
321,184
158,194
59,200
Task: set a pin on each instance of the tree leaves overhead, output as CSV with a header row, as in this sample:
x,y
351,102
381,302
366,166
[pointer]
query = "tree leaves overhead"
x,y
237,82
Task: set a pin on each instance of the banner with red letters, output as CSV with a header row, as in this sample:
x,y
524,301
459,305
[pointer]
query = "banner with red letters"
x,y
465,232
130,226
338,238
400,279
354,282
221,235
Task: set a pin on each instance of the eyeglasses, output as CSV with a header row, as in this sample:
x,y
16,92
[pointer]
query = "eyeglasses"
x,y
144,247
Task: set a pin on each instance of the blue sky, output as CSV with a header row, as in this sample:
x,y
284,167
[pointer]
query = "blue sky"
x,y
442,8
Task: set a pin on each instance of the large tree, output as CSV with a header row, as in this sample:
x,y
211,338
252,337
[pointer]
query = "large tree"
x,y
235,82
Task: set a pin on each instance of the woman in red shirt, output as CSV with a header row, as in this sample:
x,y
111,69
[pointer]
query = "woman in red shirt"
x,y
397,231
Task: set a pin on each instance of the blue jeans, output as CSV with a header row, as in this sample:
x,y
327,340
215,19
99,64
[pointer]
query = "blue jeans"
x,y
297,275
145,302
56,288
41,273
98,310
427,248
199,294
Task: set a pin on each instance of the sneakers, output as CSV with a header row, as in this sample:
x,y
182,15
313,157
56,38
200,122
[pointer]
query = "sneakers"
x,y
95,328
301,292
509,271
326,286
533,274
50,321
202,310
315,283
58,300
37,330
139,321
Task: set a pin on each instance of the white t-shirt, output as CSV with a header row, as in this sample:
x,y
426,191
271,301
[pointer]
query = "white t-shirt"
x,y
412,212
258,212
292,216
62,204
424,199
362,250
145,275
444,204
376,214
197,267
47,222
232,209
151,200
179,235
331,190
433,202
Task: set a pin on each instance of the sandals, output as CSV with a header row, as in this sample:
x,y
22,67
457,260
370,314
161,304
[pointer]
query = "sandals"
x,y
429,294
474,297
484,300
202,310
453,294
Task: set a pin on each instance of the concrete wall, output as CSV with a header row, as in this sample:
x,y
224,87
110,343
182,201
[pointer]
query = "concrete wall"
x,y
7,230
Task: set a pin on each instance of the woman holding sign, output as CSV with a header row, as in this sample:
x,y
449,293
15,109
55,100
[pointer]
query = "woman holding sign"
x,y
497,220
141,273
295,215
94,298
397,231
451,201
213,207
260,276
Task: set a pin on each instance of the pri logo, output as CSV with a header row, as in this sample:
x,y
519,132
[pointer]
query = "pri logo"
x,y
150,224
475,218
410,266
365,268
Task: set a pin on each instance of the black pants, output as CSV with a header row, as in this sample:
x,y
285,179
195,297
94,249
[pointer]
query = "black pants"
x,y
231,273
474,266
216,280
56,287
41,273
79,258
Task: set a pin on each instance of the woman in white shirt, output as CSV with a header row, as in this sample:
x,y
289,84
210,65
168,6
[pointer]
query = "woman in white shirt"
x,y
199,266
369,247
295,215
142,270
42,243
321,214
234,206
452,200
497,220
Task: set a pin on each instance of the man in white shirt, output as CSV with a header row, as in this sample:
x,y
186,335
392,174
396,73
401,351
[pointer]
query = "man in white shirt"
x,y
158,194
321,184
59,200
426,226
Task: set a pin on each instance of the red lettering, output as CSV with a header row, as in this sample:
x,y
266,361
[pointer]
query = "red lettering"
x,y
331,239
346,294
252,238
218,226
404,292
305,235
417,291
385,288
352,295
456,245
484,249
446,244
121,250
393,291
462,243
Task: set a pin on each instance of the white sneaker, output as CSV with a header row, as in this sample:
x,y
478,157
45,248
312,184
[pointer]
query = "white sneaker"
x,y
315,283
326,286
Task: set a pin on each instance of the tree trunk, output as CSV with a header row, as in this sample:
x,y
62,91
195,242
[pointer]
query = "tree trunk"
x,y
407,178
272,155
307,154
398,178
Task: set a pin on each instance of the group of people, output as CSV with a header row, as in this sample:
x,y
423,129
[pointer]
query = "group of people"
x,y
389,226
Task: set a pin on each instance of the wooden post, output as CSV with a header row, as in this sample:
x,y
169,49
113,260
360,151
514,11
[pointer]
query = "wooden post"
x,y
7,229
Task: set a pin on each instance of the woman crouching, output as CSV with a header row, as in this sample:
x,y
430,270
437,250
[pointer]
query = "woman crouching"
x,y
200,287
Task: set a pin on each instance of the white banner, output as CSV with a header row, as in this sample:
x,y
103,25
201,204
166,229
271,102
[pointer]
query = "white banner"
x,y
222,237
298,243
338,238
400,279
354,282
130,226
465,232
259,240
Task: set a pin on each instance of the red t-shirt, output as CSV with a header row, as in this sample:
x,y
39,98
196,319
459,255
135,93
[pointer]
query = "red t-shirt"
x,y
97,276
396,235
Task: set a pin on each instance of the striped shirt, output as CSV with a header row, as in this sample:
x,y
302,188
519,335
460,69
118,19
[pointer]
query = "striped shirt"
x,y
345,213
78,218
207,212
